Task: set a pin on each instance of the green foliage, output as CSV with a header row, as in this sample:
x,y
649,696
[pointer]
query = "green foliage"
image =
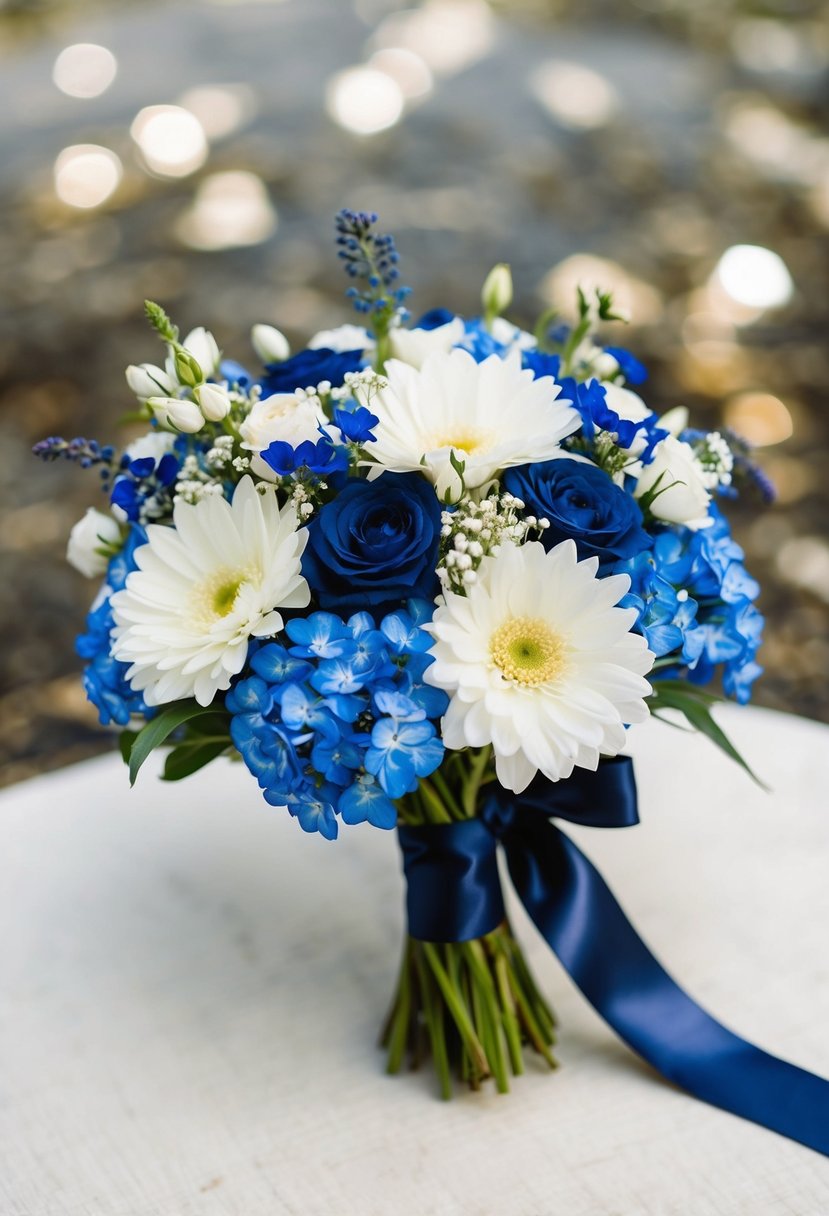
x,y
695,706
136,749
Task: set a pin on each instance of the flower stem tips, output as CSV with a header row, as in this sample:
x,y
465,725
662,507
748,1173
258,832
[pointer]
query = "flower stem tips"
x,y
473,1005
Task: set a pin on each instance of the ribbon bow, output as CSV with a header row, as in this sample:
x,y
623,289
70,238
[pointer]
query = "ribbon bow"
x,y
454,894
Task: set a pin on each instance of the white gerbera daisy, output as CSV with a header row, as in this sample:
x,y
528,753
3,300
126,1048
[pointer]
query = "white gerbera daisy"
x,y
202,589
540,663
492,415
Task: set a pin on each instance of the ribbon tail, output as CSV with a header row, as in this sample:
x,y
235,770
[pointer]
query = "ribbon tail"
x,y
579,917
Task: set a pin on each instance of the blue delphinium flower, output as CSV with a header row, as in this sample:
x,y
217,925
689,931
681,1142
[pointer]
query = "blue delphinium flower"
x,y
104,678
337,722
322,458
147,481
355,425
590,399
633,371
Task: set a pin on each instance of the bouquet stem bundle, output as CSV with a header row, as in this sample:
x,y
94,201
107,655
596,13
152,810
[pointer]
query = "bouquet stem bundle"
x,y
473,1006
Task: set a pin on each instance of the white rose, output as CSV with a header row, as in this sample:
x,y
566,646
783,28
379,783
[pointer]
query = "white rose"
x,y
201,344
412,346
147,380
91,533
184,416
280,417
270,344
344,337
214,402
681,496
155,443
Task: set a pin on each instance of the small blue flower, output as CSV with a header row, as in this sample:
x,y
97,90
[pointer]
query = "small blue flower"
x,y
355,426
365,802
274,664
301,710
321,458
337,760
401,753
321,635
403,635
313,808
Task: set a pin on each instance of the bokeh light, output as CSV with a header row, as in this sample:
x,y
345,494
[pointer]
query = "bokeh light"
x,y
230,210
84,70
761,418
755,277
86,175
220,108
171,139
364,100
574,95
448,35
407,68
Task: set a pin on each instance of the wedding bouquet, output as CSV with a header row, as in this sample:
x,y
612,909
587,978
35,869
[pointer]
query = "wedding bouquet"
x,y
415,576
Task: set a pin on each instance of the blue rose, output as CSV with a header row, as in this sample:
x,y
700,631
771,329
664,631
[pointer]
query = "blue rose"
x,y
375,544
582,504
311,367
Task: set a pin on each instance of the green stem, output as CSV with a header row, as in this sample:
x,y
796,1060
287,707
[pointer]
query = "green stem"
x,y
457,1007
433,1012
451,802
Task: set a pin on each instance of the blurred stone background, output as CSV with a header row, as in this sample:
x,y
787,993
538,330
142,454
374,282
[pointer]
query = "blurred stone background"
x,y
195,152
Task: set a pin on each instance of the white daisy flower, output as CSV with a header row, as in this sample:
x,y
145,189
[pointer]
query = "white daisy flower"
x,y
202,589
540,663
492,415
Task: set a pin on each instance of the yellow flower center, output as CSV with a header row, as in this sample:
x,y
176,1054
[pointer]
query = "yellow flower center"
x,y
527,651
215,598
463,441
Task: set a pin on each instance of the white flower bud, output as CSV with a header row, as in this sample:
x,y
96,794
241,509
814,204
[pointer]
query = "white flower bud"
x,y
95,531
270,344
677,481
214,402
179,415
496,295
201,344
147,380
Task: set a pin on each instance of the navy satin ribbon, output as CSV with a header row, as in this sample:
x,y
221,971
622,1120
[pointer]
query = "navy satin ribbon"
x,y
454,894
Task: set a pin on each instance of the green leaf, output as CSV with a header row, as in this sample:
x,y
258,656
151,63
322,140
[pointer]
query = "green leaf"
x,y
159,729
125,742
189,757
694,703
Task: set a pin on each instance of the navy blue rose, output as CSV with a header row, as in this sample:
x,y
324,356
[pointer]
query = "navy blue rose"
x,y
375,544
311,367
582,504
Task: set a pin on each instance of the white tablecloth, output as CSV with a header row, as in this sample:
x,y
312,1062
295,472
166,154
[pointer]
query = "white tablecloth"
x,y
192,989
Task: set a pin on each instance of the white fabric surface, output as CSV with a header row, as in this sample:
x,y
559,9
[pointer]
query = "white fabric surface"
x,y
192,989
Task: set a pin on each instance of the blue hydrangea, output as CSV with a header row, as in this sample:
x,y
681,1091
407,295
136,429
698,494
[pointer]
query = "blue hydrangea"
x,y
337,721
104,678
695,601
